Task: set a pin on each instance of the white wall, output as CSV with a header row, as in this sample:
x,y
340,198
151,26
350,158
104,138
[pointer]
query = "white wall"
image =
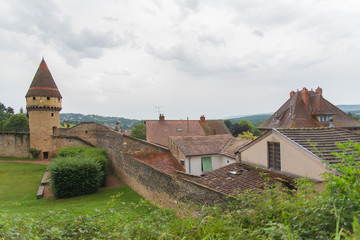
x,y
193,164
294,160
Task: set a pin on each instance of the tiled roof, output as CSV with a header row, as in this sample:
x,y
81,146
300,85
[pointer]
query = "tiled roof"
x,y
201,145
301,109
214,127
233,145
321,141
249,178
43,84
163,161
159,131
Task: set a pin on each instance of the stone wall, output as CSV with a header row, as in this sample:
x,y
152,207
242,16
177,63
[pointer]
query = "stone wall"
x,y
166,189
87,131
14,144
151,183
68,141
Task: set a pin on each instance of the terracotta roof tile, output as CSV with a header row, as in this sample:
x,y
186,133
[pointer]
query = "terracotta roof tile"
x,y
201,145
43,84
297,112
233,145
159,131
163,161
249,177
214,127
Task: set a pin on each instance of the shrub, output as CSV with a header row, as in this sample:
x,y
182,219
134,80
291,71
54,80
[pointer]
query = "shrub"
x,y
97,154
70,151
34,152
72,177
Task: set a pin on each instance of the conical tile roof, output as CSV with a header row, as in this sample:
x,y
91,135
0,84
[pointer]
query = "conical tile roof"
x,y
43,84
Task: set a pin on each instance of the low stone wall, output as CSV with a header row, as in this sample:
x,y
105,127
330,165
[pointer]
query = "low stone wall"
x,y
151,183
157,186
14,144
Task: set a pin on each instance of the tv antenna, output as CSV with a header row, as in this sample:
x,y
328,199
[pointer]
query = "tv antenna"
x,y
157,109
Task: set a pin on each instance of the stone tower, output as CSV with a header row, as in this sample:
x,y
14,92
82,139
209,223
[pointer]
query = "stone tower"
x,y
43,102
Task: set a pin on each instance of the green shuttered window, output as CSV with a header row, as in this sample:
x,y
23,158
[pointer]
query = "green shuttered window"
x,y
206,164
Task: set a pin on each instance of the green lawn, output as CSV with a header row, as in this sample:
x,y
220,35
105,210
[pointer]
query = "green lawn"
x,y
16,158
19,185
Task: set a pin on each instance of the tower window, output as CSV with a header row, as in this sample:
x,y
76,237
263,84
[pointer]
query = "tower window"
x,y
34,98
52,114
48,98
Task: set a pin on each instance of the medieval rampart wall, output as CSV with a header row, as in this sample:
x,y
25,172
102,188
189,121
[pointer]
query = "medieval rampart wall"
x,y
14,144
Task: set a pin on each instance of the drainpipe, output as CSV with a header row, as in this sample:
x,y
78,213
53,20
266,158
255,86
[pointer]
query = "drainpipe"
x,y
189,165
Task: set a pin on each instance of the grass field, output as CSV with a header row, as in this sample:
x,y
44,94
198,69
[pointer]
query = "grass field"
x,y
16,158
19,185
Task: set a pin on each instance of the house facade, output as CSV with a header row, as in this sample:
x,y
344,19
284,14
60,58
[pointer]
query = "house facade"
x,y
303,152
200,154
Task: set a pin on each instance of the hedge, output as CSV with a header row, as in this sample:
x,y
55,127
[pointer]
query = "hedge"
x,y
74,166
72,177
98,154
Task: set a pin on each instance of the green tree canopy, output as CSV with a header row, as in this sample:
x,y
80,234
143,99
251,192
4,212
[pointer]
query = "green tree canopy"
x,y
228,123
244,126
139,131
16,122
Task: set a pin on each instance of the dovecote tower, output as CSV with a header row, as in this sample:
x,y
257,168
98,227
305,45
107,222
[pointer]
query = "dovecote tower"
x,y
43,102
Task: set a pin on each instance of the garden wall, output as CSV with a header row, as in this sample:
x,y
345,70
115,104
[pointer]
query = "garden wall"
x,y
14,144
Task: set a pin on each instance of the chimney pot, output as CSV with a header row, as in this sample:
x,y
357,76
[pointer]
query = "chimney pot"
x,y
305,96
202,118
161,118
318,91
292,93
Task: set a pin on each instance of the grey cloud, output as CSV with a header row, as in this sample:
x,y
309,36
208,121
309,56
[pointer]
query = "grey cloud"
x,y
111,19
185,60
210,39
258,33
44,21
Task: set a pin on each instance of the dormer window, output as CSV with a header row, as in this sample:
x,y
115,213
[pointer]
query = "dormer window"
x,y
324,118
276,119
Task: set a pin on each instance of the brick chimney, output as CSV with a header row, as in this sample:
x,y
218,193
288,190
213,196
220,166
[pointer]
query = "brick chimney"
x,y
292,94
161,118
202,118
318,91
305,96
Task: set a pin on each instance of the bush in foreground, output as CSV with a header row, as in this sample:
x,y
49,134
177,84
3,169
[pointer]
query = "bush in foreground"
x,y
72,176
97,154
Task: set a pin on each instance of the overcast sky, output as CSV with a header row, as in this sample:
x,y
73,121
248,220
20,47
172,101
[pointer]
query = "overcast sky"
x,y
218,58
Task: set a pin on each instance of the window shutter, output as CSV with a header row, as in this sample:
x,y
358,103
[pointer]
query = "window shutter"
x,y
274,159
206,164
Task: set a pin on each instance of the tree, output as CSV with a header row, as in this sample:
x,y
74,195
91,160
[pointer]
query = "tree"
x,y
16,122
139,131
228,123
244,126
237,129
